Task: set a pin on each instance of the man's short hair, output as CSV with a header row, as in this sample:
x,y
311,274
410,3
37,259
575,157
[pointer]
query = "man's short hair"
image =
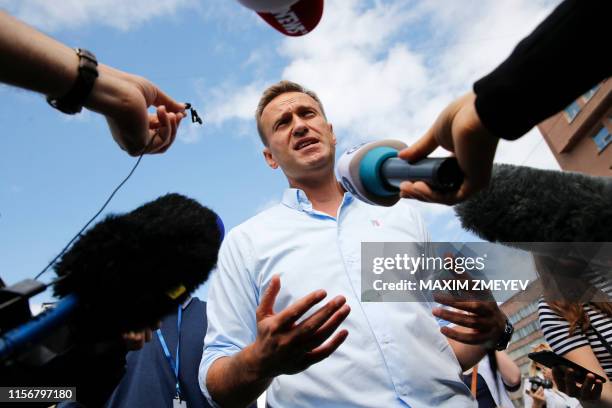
x,y
272,92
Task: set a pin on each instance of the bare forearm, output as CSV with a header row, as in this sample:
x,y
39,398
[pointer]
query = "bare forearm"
x,y
34,61
510,372
467,355
232,382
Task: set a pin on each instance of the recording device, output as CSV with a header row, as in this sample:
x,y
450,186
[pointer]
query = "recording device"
x,y
290,17
537,382
527,205
125,273
523,204
550,359
372,172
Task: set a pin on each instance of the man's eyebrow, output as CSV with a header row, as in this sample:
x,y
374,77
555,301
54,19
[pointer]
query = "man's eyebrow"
x,y
281,117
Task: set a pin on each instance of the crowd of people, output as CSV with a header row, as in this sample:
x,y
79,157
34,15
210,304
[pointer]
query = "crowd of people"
x,y
284,313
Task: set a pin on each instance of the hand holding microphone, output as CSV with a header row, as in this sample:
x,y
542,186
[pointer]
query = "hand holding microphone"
x,y
373,172
458,129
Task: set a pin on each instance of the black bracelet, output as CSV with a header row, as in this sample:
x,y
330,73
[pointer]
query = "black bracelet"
x,y
74,100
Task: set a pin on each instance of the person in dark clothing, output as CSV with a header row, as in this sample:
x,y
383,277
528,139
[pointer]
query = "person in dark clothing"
x,y
556,63
149,380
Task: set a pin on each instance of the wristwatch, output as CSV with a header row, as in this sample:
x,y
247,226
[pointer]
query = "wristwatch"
x,y
503,341
76,97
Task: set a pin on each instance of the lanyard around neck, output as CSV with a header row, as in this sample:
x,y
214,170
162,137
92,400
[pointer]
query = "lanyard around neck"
x,y
174,363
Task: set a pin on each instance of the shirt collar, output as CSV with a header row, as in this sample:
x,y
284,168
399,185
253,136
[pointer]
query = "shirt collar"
x,y
297,199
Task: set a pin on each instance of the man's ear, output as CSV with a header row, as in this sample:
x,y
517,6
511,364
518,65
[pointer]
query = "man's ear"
x,y
269,159
331,129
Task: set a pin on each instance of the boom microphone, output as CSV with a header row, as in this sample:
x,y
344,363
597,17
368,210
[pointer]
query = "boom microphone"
x,y
373,172
147,261
522,204
128,271
290,17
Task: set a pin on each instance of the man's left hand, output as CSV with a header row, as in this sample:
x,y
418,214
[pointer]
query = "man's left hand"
x,y
481,322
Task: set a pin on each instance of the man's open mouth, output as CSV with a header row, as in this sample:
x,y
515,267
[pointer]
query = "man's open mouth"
x,y
305,143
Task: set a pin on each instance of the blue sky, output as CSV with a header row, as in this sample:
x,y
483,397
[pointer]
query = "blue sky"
x,y
384,69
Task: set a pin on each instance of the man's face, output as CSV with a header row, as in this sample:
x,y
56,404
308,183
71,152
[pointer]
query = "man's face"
x,y
300,141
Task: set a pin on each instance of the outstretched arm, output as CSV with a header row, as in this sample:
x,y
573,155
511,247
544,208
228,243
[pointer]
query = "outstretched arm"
x,y
31,60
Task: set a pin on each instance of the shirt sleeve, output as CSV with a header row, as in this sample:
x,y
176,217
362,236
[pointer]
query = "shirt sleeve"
x,y
232,302
565,56
556,331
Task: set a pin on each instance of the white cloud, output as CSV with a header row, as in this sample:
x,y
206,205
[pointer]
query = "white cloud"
x,y
238,102
120,14
530,150
386,69
189,133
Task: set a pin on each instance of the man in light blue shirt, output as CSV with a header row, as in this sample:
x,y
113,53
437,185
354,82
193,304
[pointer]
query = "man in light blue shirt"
x,y
264,335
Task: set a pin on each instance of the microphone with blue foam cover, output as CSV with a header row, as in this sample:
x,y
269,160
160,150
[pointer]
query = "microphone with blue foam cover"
x,y
373,172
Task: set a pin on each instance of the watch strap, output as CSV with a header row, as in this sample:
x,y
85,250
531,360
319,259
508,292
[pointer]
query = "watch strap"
x,y
73,101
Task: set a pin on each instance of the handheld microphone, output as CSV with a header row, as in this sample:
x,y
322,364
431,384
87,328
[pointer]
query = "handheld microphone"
x,y
373,172
128,271
290,17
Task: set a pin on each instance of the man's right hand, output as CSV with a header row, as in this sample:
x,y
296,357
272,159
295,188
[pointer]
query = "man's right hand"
x,y
284,346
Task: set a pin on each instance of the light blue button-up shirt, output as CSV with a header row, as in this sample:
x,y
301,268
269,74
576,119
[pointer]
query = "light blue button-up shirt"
x,y
394,355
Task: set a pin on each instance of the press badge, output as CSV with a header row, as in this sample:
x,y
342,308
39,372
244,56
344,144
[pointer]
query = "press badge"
x,y
178,403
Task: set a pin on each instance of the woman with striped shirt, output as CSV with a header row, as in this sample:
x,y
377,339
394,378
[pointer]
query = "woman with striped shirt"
x,y
582,333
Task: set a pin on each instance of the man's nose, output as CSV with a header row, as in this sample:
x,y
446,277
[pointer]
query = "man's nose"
x,y
299,127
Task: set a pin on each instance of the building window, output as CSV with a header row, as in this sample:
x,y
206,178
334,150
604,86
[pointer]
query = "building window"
x,y
587,96
602,138
571,111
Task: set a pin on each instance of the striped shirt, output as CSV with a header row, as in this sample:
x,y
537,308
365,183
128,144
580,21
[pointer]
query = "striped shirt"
x,y
556,330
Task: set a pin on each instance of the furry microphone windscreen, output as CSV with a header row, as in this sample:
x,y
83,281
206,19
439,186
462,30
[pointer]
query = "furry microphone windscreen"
x,y
523,204
129,270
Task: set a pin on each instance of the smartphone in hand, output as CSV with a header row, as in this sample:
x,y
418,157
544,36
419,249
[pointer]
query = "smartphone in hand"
x,y
551,360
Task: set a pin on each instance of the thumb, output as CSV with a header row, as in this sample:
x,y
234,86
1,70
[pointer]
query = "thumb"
x,y
170,104
267,301
421,148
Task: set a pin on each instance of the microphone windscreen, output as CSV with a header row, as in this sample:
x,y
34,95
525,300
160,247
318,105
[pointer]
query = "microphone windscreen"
x,y
130,270
522,204
293,18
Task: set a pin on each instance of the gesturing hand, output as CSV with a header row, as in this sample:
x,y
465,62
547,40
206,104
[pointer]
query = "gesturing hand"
x,y
283,346
483,323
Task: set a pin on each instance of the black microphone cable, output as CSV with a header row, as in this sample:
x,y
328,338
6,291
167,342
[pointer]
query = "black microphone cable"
x,y
195,118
